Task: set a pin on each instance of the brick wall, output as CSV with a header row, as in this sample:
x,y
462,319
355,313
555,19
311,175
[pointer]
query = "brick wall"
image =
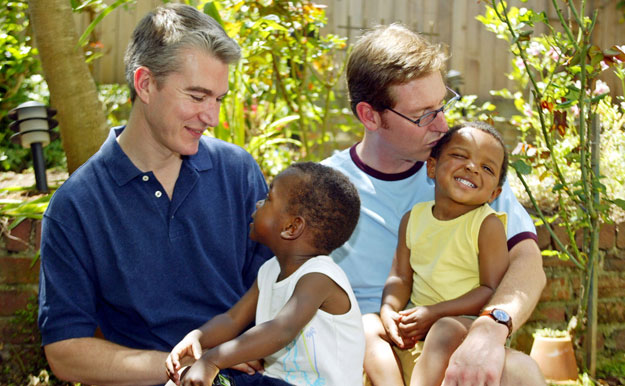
x,y
559,301
560,298
19,277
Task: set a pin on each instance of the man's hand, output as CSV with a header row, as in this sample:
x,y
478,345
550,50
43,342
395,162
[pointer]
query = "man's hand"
x,y
479,360
416,322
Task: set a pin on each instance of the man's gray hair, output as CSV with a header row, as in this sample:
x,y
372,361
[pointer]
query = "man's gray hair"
x,y
163,33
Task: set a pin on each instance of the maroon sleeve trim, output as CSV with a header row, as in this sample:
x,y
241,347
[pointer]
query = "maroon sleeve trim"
x,y
520,237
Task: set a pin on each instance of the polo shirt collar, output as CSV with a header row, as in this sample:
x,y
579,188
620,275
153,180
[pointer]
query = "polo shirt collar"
x,y
124,170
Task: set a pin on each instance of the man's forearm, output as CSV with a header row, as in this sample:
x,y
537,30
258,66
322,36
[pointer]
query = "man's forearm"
x,y
97,361
521,287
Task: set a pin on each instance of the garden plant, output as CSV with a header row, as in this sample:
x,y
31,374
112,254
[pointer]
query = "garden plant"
x,y
571,135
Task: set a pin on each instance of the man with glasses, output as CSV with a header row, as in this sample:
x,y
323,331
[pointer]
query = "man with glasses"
x,y
397,91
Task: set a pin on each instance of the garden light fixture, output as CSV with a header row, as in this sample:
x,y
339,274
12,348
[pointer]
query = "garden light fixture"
x,y
33,124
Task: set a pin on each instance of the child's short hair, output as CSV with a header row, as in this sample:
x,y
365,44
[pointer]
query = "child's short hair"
x,y
329,203
483,126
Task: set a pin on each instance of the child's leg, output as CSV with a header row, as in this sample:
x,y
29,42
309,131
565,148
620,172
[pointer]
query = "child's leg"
x,y
441,341
521,370
381,365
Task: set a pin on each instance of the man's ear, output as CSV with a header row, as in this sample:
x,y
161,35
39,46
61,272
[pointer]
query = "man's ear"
x,y
294,228
143,80
431,167
370,118
495,194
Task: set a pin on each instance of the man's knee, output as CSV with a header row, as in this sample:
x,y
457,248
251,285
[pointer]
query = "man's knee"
x,y
520,369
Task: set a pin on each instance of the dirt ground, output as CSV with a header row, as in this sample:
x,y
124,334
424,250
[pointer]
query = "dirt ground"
x,y
26,180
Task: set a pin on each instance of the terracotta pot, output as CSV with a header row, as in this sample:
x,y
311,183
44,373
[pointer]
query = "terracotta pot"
x,y
555,357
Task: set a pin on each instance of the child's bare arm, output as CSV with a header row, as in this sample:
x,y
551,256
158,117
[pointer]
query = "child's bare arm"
x,y
493,263
398,286
311,292
217,330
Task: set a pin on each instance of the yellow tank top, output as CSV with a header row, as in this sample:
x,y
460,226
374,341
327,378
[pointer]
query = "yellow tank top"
x,y
444,254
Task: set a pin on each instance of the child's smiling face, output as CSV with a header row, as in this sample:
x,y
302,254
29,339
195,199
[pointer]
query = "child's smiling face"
x,y
468,168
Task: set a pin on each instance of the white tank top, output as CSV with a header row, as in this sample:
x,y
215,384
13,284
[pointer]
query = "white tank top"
x,y
330,349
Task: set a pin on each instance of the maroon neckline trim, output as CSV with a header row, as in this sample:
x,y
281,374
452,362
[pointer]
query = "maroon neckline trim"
x,y
378,174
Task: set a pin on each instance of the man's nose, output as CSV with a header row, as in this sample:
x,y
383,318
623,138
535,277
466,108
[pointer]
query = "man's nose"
x,y
439,124
209,115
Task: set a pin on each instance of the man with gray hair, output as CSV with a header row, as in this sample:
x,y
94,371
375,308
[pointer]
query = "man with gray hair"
x,y
397,92
135,240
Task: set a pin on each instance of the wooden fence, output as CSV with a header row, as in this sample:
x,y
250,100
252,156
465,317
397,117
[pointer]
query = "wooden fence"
x,y
481,58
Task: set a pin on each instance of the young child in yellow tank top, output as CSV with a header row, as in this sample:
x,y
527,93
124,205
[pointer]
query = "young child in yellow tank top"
x,y
450,257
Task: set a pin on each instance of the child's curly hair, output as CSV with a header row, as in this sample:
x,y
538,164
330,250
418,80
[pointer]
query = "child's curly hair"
x,y
328,201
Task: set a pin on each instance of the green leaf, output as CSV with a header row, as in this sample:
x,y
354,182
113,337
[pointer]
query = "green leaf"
x,y
84,38
521,167
619,202
550,252
211,10
598,97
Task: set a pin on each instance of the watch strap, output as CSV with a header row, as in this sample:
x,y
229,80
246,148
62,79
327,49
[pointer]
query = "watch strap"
x,y
491,313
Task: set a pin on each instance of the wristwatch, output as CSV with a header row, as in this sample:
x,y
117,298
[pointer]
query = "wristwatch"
x,y
499,316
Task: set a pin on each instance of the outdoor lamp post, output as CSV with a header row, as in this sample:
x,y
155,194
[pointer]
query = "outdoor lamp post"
x,y
33,124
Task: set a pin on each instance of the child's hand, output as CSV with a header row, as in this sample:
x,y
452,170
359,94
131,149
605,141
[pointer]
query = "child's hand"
x,y
188,346
390,321
416,322
202,373
251,367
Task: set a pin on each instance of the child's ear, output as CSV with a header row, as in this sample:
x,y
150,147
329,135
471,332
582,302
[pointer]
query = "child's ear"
x,y
495,194
294,228
431,167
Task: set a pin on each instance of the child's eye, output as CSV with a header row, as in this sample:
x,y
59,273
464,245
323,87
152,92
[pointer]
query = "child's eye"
x,y
489,169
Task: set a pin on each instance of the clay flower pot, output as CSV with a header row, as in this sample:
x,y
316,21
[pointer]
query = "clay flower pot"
x,y
555,357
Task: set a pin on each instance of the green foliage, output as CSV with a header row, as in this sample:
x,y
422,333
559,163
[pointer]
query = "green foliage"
x,y
116,101
24,360
282,105
550,333
613,368
571,131
19,82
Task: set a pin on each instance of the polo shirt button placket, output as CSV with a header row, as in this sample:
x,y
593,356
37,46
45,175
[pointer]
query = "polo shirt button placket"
x,y
145,178
158,194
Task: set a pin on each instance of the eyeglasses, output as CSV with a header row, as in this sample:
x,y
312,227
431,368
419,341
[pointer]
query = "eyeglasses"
x,y
428,117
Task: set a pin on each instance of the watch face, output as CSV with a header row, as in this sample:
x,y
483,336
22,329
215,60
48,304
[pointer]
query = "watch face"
x,y
501,315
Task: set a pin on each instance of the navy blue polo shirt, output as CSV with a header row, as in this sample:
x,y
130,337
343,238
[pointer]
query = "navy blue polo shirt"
x,y
118,254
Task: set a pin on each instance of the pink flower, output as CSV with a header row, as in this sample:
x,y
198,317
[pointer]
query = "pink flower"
x,y
601,87
554,53
603,65
527,110
519,63
535,49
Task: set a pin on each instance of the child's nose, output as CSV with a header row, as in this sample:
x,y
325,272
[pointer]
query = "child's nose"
x,y
470,166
